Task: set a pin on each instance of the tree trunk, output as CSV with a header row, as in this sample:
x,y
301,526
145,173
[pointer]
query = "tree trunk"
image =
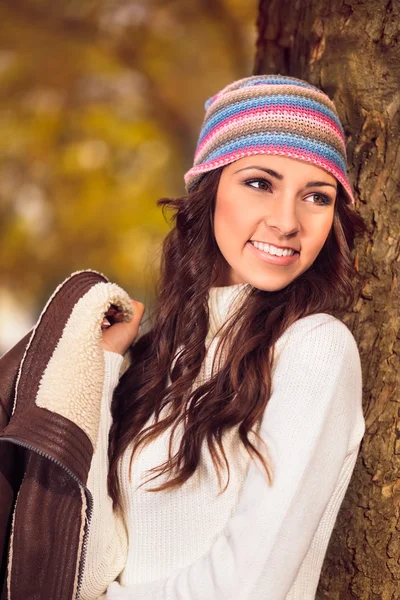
x,y
351,50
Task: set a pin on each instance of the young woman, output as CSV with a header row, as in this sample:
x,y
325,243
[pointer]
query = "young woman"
x,y
234,433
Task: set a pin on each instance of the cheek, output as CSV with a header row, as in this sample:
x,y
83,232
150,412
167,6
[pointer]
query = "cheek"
x,y
319,235
229,223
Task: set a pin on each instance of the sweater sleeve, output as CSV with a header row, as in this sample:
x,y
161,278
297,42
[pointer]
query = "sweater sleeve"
x,y
107,541
312,425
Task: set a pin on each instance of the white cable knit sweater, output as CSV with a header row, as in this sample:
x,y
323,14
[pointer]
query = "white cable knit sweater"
x,y
254,541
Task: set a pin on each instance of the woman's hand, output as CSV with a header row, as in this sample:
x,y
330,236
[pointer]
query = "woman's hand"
x,y
118,336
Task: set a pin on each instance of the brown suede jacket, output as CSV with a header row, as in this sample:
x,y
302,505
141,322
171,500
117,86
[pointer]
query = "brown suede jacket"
x,y
50,393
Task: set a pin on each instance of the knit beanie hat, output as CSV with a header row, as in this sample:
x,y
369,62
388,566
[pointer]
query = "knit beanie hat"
x,y
270,114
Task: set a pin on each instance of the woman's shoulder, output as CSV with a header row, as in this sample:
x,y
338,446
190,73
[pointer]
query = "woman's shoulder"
x,y
321,332
317,362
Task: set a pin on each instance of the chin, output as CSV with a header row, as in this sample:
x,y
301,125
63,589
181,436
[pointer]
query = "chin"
x,y
270,286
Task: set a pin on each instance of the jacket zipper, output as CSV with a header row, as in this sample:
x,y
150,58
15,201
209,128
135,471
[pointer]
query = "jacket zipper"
x,y
88,495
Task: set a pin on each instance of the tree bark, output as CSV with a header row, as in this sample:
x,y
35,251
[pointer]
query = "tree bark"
x,y
351,50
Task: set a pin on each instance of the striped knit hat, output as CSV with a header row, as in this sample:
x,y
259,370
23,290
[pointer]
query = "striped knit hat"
x,y
270,114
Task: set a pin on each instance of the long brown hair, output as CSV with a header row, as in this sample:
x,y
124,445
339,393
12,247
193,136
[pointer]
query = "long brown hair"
x,y
238,393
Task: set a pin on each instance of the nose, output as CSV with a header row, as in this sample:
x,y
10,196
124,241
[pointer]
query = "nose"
x,y
283,217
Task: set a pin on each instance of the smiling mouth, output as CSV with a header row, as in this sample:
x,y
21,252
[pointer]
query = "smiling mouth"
x,y
273,250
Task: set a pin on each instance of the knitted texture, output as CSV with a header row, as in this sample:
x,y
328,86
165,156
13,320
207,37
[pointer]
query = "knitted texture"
x,y
254,541
270,114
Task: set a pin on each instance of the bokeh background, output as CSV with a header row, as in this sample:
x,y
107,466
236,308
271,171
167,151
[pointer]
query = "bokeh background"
x,y
101,103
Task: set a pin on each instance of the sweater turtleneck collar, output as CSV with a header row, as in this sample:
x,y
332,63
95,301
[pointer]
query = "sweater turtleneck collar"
x,y
222,302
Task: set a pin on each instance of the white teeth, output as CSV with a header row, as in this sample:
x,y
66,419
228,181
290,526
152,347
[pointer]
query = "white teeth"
x,y
273,250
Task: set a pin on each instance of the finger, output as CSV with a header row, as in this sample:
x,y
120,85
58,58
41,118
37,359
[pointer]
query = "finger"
x,y
138,311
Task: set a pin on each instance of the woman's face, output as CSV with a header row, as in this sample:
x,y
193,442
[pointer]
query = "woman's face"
x,y
266,204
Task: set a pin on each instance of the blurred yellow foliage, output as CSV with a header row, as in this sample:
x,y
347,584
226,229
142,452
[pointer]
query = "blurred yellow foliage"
x,y
100,108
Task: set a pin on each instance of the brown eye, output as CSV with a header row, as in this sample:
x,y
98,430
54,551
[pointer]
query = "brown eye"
x,y
262,184
323,199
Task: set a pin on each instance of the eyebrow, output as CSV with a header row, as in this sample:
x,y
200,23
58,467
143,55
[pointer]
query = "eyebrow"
x,y
280,177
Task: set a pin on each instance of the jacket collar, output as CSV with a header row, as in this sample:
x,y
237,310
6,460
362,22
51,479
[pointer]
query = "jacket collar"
x,y
61,375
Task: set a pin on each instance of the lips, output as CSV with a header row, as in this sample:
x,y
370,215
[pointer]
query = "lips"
x,y
276,245
273,259
274,250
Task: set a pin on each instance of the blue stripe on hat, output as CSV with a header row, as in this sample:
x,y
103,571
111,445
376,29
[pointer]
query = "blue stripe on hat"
x,y
279,139
242,105
264,80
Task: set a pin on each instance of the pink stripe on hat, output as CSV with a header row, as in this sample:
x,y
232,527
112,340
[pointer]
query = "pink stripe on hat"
x,y
271,114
